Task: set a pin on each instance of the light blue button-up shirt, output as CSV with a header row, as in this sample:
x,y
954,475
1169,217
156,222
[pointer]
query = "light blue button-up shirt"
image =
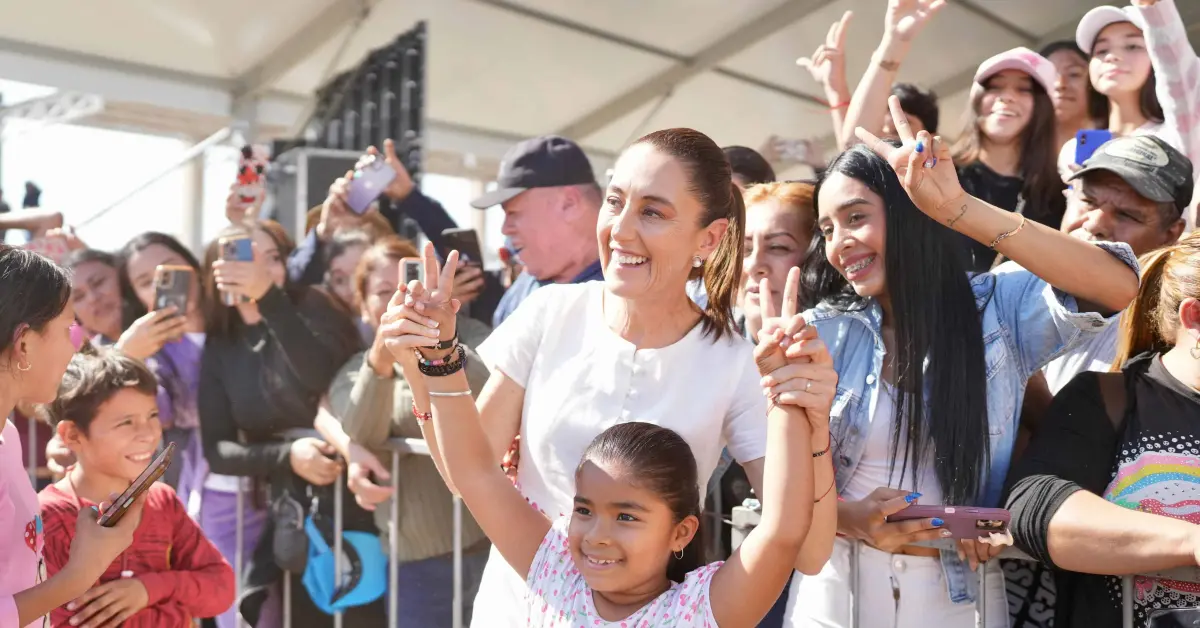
x,y
1026,324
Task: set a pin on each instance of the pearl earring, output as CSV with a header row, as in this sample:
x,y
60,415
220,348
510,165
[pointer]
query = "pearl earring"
x,y
697,262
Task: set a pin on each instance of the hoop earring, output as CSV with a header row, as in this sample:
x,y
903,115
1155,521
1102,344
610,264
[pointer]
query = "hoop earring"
x,y
697,262
678,555
1195,351
28,365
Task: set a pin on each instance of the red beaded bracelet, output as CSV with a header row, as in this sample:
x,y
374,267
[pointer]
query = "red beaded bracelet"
x,y
421,417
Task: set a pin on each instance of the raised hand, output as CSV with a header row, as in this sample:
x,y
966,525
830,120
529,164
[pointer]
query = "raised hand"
x,y
422,315
922,163
402,185
828,63
787,322
906,18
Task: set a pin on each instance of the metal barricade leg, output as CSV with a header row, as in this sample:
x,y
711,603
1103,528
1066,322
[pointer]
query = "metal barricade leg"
x,y
394,548
458,566
981,601
287,599
854,548
338,511
1127,601
238,547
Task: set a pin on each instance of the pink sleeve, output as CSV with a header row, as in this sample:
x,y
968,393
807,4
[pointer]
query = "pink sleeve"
x,y
1177,70
8,611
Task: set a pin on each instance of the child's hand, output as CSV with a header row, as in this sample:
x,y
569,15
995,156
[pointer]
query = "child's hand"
x,y
109,604
807,380
778,326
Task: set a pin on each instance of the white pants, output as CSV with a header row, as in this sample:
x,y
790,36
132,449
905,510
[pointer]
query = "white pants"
x,y
500,602
895,591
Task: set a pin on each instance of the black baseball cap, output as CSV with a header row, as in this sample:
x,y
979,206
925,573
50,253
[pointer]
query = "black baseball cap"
x,y
1147,163
548,161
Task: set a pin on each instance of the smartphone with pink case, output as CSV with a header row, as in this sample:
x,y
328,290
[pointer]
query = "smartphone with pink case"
x,y
963,522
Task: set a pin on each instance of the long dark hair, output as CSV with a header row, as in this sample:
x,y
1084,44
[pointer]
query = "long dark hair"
x,y
132,307
1097,103
662,462
711,181
220,320
935,317
1042,186
36,291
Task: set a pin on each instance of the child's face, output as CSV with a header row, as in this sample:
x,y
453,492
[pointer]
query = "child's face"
x,y
622,535
122,437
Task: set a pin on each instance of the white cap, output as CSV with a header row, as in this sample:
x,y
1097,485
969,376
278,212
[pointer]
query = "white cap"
x,y
1023,59
1098,19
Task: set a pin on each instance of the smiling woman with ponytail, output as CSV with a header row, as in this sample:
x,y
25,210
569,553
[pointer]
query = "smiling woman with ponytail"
x,y
575,360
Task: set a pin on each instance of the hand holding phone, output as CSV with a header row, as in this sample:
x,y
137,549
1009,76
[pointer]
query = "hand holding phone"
x,y
369,181
155,470
235,248
466,242
963,522
173,288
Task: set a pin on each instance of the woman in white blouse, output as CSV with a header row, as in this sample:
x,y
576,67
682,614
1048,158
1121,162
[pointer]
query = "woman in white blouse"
x,y
574,360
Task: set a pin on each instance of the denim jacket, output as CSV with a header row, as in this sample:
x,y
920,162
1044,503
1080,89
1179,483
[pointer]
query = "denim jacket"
x,y
1026,324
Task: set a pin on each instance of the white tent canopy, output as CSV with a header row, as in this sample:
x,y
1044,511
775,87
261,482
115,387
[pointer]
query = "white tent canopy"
x,y
601,72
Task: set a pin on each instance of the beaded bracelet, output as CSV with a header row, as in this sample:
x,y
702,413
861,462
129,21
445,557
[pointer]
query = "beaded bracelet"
x,y
421,417
445,366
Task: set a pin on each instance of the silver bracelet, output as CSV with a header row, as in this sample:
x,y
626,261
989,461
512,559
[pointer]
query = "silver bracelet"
x,y
463,393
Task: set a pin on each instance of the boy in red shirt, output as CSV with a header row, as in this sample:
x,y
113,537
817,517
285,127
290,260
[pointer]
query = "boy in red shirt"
x,y
106,414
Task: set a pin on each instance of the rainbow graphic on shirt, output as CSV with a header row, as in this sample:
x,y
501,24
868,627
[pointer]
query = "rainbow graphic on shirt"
x,y
1165,484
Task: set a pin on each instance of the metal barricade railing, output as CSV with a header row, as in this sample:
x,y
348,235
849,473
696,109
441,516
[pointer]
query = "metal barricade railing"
x,y
744,519
397,447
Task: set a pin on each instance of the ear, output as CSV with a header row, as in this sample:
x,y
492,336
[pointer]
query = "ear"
x,y
684,532
1189,316
1174,231
70,434
711,236
20,344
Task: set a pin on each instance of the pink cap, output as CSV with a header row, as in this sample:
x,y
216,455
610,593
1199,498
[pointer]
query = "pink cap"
x,y
1100,18
1023,59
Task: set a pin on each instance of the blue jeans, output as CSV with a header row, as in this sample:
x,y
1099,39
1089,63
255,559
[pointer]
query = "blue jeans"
x,y
425,595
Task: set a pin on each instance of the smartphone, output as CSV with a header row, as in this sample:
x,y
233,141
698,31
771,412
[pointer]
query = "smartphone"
x,y
172,287
1086,143
235,248
412,268
963,522
154,470
368,183
466,242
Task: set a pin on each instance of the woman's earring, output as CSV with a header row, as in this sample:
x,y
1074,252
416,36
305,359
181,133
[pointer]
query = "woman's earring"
x,y
678,555
697,262
1195,351
28,365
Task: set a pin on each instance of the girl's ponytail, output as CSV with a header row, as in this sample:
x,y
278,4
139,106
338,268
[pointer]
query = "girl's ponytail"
x,y
1169,275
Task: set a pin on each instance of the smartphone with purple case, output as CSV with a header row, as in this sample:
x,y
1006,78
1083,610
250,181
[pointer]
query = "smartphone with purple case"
x,y
368,183
1087,141
963,522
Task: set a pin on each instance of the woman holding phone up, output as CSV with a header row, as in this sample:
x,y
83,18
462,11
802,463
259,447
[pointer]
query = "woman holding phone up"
x,y
267,361
932,364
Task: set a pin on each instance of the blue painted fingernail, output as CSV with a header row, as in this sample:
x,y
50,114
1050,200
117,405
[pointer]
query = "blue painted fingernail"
x,y
921,147
938,523
912,497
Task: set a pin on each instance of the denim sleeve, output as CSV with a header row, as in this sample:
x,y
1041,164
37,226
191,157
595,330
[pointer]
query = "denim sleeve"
x,y
1041,321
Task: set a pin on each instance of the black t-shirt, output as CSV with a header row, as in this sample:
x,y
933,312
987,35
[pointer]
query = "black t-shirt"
x,y
988,186
1146,462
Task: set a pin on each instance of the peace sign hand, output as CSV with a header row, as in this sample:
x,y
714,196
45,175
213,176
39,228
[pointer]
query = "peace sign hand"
x,y
422,314
828,63
779,326
922,162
